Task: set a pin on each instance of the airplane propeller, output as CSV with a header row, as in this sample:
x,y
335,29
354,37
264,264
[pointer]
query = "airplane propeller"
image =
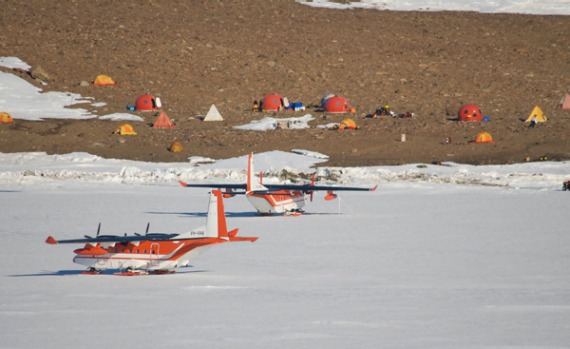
x,y
98,231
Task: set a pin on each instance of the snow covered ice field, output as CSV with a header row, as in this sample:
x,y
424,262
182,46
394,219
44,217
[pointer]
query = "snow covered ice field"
x,y
423,262
542,7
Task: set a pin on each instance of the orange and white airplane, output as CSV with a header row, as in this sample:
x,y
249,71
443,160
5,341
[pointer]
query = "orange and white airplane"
x,y
154,253
268,199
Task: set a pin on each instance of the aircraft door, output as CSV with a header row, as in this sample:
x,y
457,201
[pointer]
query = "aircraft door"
x,y
154,252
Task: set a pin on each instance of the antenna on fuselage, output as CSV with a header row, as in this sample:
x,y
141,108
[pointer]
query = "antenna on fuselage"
x,y
147,227
98,229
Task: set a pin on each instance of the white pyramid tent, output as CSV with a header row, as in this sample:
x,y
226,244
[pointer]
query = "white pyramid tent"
x,y
565,102
213,114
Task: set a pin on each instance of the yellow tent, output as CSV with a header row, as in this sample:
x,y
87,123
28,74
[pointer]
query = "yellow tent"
x,y
176,147
484,137
6,118
125,129
347,124
536,112
104,80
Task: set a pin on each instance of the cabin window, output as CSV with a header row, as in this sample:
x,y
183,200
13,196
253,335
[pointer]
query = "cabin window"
x,y
144,251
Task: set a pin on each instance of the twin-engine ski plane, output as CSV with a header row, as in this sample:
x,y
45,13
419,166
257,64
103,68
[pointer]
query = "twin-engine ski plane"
x,y
154,253
268,199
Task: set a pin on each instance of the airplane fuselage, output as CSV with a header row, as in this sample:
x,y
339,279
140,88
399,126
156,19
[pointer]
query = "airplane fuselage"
x,y
278,201
148,255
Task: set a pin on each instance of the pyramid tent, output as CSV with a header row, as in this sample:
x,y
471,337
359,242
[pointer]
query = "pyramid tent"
x,y
213,114
540,117
6,118
104,80
565,102
163,121
484,137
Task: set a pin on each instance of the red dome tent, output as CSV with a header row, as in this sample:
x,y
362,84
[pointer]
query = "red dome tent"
x,y
469,112
146,103
337,104
272,103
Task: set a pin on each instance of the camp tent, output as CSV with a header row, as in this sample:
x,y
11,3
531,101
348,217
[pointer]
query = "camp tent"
x,y
337,104
347,124
176,147
146,102
104,80
565,102
272,102
325,99
163,121
125,129
540,117
469,112
213,114
6,118
484,137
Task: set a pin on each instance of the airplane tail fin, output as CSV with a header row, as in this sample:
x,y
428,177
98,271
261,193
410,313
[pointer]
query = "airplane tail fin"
x,y
216,225
252,184
216,221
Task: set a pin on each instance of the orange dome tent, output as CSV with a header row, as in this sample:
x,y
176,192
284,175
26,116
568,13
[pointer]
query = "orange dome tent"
x,y
146,102
6,118
272,103
163,121
469,112
484,137
104,80
125,129
337,104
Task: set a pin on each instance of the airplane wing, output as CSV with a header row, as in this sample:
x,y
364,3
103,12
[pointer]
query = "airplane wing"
x,y
215,185
113,238
307,188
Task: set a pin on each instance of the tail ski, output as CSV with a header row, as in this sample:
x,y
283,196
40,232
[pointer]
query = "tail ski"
x,y
252,184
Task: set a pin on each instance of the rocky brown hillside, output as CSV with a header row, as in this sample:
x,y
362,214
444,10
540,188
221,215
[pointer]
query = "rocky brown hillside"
x,y
193,54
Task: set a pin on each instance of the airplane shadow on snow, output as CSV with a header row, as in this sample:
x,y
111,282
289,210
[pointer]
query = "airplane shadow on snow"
x,y
205,214
108,272
238,214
